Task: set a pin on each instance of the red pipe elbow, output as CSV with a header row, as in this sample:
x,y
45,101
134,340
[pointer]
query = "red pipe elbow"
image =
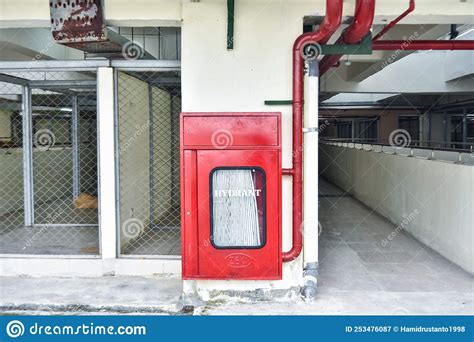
x,y
329,25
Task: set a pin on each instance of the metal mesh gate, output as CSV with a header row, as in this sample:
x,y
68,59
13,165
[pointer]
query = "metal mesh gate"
x,y
11,167
49,153
149,104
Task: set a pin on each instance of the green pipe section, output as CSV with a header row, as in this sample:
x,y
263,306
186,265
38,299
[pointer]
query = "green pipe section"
x,y
364,48
278,102
230,24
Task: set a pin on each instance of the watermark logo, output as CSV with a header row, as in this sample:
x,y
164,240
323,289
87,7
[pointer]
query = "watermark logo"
x,y
311,51
322,127
44,139
399,138
207,242
30,241
132,51
312,224
222,139
15,329
407,219
51,219
140,129
132,227
400,311
41,54
404,46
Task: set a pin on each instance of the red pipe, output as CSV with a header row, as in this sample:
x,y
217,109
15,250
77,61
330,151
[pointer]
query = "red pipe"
x,y
360,26
389,45
411,8
331,22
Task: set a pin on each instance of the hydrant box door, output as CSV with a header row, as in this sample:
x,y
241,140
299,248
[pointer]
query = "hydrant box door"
x,y
239,195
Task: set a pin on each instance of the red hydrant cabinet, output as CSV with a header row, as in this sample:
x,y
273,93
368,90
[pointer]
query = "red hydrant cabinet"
x,y
231,195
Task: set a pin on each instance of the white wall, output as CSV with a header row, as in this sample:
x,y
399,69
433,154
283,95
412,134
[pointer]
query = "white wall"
x,y
88,267
35,13
258,69
394,186
26,13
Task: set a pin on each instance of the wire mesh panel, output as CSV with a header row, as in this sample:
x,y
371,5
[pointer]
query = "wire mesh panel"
x,y
11,163
149,104
55,154
61,177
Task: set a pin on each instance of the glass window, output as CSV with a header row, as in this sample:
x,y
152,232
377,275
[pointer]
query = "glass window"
x,y
412,125
366,130
344,130
238,207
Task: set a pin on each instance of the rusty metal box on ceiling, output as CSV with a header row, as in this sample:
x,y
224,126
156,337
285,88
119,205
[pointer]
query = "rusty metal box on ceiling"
x,y
80,24
77,21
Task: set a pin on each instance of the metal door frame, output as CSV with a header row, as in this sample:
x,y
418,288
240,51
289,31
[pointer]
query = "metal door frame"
x,y
136,66
27,85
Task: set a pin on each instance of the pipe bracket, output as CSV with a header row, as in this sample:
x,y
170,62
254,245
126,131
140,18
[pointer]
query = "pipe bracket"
x,y
311,130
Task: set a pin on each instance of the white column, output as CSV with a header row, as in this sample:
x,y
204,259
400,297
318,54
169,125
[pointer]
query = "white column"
x,y
76,162
310,181
106,156
27,156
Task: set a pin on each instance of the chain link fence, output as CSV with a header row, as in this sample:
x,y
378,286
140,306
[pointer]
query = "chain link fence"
x,y
11,167
48,163
149,104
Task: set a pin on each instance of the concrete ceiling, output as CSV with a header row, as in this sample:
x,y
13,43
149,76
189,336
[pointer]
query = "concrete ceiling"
x,y
442,71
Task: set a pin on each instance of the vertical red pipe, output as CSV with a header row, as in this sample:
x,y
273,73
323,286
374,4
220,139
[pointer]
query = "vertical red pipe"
x,y
329,25
360,26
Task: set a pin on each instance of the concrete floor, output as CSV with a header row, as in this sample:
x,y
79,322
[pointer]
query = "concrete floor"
x,y
357,276
163,237
117,295
49,236
45,239
157,241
